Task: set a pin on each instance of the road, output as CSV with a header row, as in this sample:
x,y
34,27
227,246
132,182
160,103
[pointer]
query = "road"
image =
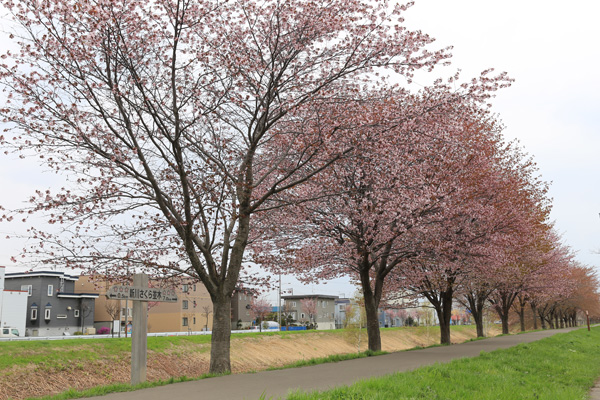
x,y
273,384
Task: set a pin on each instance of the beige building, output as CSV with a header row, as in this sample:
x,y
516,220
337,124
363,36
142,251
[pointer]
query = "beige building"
x,y
192,311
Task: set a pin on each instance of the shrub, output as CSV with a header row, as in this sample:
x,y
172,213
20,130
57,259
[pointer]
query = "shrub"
x,y
103,331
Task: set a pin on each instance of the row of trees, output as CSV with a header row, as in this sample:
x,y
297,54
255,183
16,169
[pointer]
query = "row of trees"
x,y
188,129
433,205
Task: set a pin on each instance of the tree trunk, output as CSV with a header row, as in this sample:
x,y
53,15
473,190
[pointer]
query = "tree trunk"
x,y
221,336
479,323
533,309
476,303
522,316
443,308
550,320
543,321
520,309
503,309
373,333
504,319
371,298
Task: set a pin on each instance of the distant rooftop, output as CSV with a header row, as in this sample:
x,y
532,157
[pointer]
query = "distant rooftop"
x,y
34,274
309,296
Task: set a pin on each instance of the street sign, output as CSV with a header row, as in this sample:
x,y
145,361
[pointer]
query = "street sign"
x,y
140,293
122,292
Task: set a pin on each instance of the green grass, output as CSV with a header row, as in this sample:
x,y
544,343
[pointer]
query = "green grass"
x,y
70,353
62,353
561,367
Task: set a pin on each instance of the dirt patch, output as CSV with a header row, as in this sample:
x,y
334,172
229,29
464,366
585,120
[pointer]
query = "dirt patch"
x,y
247,354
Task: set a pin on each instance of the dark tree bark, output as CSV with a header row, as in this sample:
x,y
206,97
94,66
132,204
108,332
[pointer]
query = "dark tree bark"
x,y
475,303
221,336
442,303
520,308
502,304
534,312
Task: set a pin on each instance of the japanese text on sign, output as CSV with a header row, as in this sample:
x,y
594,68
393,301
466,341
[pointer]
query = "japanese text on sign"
x,y
120,292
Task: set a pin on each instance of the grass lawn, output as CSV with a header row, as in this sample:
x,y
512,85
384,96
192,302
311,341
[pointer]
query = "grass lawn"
x,y
564,366
67,351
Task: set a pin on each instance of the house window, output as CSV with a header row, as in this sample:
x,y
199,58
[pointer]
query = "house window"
x,y
33,314
186,288
185,321
50,290
27,288
194,288
47,313
293,304
194,320
76,313
324,303
184,304
302,316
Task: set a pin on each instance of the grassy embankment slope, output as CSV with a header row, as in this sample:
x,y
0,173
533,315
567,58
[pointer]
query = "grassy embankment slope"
x,y
40,368
561,367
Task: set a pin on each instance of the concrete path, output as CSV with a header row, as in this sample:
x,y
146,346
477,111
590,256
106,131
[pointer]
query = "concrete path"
x,y
274,384
595,393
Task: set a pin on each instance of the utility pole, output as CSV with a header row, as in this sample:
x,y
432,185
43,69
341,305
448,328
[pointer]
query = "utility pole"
x,y
279,303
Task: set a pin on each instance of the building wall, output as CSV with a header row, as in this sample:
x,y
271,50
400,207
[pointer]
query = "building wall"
x,y
340,312
240,310
162,317
325,316
2,271
170,317
325,313
13,306
14,310
64,315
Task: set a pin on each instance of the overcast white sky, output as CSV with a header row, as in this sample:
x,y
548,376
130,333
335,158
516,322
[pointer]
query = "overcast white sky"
x,y
551,48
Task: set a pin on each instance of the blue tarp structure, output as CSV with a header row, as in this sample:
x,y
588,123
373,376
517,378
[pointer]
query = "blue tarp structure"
x,y
293,328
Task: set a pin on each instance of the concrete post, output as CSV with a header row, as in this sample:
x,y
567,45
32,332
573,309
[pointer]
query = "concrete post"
x,y
139,334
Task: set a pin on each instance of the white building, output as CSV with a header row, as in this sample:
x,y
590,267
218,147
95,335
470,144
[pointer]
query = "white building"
x,y
13,306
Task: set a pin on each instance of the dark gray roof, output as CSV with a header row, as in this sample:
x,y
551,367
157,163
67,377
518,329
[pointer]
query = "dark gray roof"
x,y
309,296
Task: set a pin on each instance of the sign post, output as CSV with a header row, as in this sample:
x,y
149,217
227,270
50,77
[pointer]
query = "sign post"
x,y
140,294
139,334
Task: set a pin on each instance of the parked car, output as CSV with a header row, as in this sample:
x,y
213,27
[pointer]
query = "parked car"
x,y
7,331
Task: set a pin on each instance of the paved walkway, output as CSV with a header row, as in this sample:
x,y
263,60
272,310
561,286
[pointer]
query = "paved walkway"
x,y
324,376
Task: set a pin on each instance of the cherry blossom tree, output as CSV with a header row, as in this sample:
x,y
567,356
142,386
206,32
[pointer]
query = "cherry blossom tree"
x,y
260,307
392,189
309,306
515,225
160,113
